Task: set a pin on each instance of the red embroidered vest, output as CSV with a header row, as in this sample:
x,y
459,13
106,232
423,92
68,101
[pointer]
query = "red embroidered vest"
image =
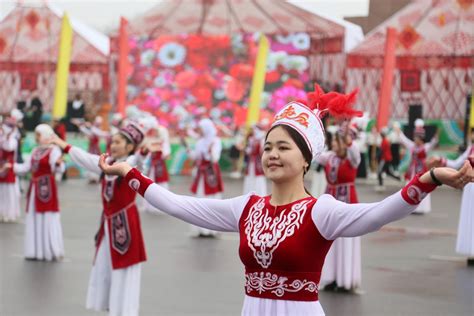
x,y
417,164
211,174
340,176
282,250
7,176
43,182
158,164
123,221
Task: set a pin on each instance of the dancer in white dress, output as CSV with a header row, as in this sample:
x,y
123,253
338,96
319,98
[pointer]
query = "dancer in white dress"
x,y
114,283
465,238
419,152
285,236
43,231
207,180
9,184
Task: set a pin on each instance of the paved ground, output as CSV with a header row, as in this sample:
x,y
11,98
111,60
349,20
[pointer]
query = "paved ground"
x,y
409,268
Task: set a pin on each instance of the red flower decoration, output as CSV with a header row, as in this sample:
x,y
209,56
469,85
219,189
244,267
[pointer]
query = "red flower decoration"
x,y
337,104
242,72
408,37
32,19
185,79
235,90
294,83
272,77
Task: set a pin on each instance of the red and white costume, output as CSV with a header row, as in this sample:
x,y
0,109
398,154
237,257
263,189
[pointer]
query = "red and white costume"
x,y
418,164
255,180
282,247
207,180
343,262
9,185
156,160
114,284
43,231
465,239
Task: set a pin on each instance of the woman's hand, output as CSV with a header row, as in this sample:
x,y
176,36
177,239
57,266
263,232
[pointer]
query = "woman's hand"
x,y
454,178
55,140
117,169
5,167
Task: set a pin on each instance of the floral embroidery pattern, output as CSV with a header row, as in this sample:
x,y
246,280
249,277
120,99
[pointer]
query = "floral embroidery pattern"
x,y
278,285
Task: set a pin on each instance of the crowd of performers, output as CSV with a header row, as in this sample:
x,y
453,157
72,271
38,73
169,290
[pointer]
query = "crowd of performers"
x,y
293,241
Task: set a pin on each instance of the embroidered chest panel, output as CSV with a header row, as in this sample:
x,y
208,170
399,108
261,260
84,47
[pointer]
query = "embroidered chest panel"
x,y
265,231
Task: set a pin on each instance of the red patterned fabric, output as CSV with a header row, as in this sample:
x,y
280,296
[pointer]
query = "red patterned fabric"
x,y
7,176
290,268
415,191
211,175
43,182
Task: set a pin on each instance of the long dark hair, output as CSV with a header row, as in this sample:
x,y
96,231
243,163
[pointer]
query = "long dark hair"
x,y
300,142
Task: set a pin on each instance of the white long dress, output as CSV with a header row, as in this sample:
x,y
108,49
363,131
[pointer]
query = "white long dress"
x,y
115,290
425,205
332,218
9,192
343,263
211,151
465,238
43,231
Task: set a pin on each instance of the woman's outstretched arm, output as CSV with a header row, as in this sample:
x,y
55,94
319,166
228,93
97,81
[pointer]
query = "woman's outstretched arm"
x,y
221,215
337,219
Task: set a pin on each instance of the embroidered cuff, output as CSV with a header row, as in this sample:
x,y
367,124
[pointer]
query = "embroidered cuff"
x,y
415,191
137,181
67,149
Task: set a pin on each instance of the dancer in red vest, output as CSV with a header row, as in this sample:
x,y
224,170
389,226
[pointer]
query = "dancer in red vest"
x,y
254,180
284,237
43,231
342,268
157,150
207,181
419,152
9,184
114,283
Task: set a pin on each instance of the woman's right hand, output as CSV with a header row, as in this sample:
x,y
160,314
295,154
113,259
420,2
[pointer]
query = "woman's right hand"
x,y
117,169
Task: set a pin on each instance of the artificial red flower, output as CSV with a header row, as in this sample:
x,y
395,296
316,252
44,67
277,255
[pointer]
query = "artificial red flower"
x,y
272,77
242,72
186,79
235,90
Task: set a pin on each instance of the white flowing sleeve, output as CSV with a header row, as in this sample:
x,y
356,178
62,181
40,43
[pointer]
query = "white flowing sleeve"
x,y
85,160
97,131
335,219
406,142
215,214
457,163
353,154
22,168
216,151
53,158
10,142
86,131
324,157
431,144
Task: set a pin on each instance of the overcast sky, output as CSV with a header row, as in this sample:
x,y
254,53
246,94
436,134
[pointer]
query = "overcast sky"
x,y
104,15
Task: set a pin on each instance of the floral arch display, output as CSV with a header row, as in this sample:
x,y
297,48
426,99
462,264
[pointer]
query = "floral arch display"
x,y
196,56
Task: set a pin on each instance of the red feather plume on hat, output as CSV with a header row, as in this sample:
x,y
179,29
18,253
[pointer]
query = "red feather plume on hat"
x,y
337,104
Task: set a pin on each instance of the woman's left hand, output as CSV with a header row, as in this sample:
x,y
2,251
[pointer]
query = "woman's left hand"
x,y
117,169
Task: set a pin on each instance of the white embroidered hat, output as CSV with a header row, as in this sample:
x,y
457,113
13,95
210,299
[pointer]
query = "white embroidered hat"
x,y
305,116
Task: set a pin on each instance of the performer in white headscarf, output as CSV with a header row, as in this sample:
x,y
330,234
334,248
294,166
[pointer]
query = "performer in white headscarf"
x,y
157,149
43,231
9,184
207,180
